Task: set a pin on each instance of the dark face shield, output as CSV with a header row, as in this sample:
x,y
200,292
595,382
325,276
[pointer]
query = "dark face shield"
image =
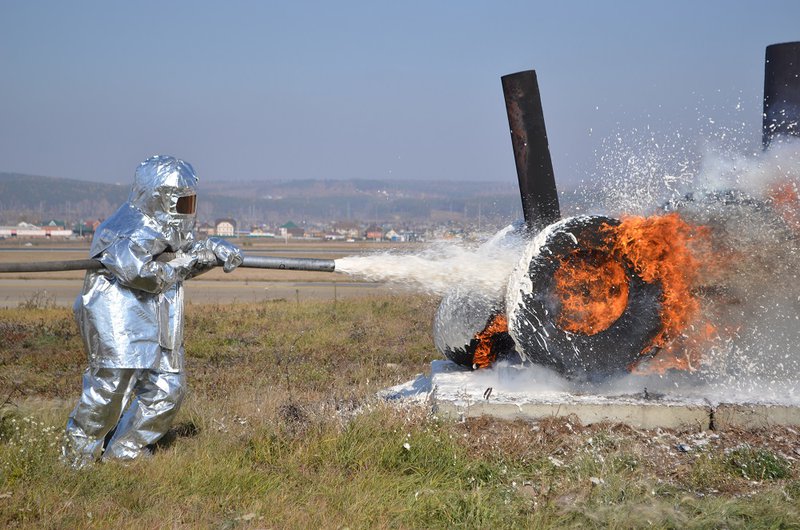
x,y
186,205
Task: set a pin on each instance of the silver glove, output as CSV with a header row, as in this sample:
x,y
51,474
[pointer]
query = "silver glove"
x,y
178,268
204,258
229,254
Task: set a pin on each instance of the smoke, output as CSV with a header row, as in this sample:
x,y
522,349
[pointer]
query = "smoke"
x,y
753,300
755,173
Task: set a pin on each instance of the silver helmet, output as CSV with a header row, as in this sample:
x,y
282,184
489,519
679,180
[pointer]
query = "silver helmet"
x,y
165,189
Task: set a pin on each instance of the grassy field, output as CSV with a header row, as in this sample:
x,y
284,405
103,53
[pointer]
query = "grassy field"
x,y
282,429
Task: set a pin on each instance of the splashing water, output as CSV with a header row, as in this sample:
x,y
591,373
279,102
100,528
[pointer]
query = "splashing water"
x,y
755,301
637,171
748,199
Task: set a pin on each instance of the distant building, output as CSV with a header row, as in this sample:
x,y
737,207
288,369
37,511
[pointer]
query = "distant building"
x,y
55,228
374,233
291,230
391,235
25,230
315,233
258,231
345,229
22,230
225,227
205,230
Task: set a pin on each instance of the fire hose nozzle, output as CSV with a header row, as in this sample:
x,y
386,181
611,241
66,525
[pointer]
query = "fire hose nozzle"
x,y
253,262
291,264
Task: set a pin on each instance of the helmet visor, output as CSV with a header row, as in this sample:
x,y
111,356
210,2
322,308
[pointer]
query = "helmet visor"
x,y
186,205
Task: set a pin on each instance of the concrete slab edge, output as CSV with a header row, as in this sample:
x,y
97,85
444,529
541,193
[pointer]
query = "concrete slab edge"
x,y
640,415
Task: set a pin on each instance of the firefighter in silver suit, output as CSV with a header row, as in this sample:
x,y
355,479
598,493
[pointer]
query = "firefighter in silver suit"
x,y
130,314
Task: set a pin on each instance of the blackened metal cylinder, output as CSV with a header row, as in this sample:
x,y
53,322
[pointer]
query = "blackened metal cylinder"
x,y
537,183
781,92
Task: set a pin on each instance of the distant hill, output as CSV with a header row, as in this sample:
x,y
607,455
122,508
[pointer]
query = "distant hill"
x,y
33,198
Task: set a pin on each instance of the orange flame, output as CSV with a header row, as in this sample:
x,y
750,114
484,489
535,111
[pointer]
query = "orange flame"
x,y
661,251
593,285
593,291
484,355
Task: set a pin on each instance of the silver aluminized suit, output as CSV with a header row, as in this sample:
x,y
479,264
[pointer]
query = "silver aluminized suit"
x,y
130,314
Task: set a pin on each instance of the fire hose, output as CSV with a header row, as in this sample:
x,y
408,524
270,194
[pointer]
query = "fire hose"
x,y
253,262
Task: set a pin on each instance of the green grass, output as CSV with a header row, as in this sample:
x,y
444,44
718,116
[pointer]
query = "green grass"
x,y
758,464
282,429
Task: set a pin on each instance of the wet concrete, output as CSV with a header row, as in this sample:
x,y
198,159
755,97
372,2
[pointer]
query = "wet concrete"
x,y
456,393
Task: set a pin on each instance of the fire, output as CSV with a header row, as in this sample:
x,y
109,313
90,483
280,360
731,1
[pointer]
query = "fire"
x,y
593,291
592,286
484,354
662,249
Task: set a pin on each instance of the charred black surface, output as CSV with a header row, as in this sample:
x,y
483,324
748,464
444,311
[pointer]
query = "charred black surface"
x,y
501,345
579,356
537,183
781,92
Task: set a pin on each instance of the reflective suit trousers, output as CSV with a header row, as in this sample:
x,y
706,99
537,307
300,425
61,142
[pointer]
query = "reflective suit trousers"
x,y
157,397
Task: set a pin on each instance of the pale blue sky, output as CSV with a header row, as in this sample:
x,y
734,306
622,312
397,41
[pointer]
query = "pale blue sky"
x,y
373,89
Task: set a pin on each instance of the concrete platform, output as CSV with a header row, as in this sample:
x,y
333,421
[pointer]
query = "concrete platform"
x,y
754,415
512,392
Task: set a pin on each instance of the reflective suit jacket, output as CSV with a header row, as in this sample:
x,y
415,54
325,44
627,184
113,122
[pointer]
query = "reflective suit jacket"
x,y
130,313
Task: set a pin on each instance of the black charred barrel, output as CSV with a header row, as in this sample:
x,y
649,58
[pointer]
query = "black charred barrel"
x,y
534,315
537,183
781,92
463,322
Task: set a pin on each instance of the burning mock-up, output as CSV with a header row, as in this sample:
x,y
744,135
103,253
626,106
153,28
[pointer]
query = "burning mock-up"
x,y
594,297
130,314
